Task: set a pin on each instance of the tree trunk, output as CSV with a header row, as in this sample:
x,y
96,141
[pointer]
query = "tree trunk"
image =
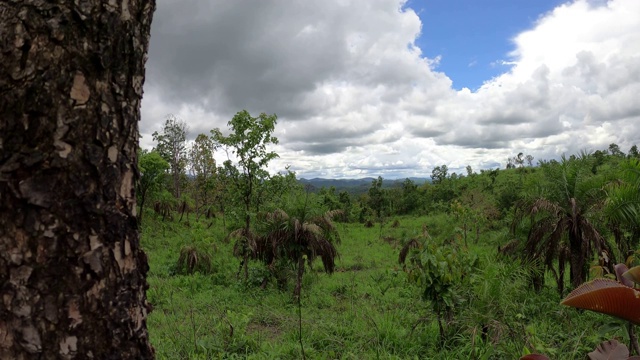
x,y
577,260
72,274
143,196
298,289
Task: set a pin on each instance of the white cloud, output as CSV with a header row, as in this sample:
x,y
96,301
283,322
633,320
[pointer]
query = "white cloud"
x,y
355,97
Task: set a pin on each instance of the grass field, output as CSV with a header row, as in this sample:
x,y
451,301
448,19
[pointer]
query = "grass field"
x,y
365,310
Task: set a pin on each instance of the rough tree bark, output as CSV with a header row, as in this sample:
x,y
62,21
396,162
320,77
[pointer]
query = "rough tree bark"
x,y
72,274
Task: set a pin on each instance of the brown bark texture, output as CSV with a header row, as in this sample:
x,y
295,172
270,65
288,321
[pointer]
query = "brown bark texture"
x,y
72,274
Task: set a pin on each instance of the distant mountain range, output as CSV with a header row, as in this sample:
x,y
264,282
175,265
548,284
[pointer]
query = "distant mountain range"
x,y
356,186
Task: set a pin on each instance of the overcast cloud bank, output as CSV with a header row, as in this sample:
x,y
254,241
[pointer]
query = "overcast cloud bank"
x,y
356,97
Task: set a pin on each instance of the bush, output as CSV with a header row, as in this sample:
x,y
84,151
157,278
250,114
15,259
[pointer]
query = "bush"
x,y
196,257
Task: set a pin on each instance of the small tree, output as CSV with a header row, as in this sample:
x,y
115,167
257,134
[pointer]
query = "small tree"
x,y
614,150
248,141
294,239
439,270
376,200
152,170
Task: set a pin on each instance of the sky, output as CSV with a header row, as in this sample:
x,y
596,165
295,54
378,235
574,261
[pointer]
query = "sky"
x,y
395,88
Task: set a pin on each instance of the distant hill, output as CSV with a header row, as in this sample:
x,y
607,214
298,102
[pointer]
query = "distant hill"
x,y
355,186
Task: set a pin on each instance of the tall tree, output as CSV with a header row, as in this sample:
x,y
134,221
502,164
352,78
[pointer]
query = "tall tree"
x,y
376,197
519,160
202,167
529,159
439,174
248,141
72,274
614,150
409,196
172,145
469,170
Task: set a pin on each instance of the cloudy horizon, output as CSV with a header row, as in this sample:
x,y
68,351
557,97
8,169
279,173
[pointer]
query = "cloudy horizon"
x,y
356,96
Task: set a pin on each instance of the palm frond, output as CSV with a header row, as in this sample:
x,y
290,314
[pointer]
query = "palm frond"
x,y
245,242
288,239
325,222
511,248
544,205
554,243
622,204
591,235
320,246
411,244
312,228
544,238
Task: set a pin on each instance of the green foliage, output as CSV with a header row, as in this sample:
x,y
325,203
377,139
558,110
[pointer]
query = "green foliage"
x,y
279,190
248,141
152,169
366,309
376,197
439,174
202,168
440,270
562,218
165,204
410,197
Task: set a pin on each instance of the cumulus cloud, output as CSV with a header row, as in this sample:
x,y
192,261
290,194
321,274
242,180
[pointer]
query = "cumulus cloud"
x,y
356,97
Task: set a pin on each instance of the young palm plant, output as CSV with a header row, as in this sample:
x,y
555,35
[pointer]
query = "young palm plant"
x,y
562,219
245,247
295,239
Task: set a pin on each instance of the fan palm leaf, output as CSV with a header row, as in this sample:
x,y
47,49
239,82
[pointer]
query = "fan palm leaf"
x,y
291,239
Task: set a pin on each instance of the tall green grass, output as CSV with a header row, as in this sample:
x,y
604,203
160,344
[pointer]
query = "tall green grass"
x,y
366,309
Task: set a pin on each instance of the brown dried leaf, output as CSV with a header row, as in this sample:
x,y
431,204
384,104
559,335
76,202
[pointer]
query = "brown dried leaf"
x,y
610,350
608,297
633,274
535,357
620,270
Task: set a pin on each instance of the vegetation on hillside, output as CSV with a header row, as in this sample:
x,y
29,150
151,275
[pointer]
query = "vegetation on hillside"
x,y
485,258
